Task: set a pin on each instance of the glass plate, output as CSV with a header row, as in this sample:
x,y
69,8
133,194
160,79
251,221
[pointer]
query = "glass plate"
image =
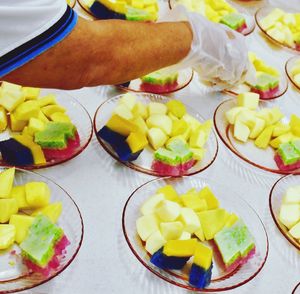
x,y
79,117
288,68
144,161
260,158
277,192
249,19
296,289
259,15
16,277
283,86
184,78
221,280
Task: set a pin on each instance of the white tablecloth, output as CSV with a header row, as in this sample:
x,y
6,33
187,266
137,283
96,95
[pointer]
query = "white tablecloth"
x,y
100,186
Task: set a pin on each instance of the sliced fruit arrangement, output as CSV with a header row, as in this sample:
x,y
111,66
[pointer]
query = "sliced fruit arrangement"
x,y
270,83
289,214
281,26
184,232
28,219
176,140
134,10
265,127
218,11
36,129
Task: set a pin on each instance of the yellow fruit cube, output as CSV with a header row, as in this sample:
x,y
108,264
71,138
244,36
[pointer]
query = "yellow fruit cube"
x,y
60,117
171,230
47,100
263,140
30,93
10,99
177,108
285,138
232,114
8,207
241,131
18,193
37,194
199,233
198,153
167,210
123,111
155,242
41,116
280,129
137,141
157,138
3,119
129,100
139,109
52,211
10,86
211,200
231,220
120,125
21,224
193,201
276,115
257,128
15,124
26,110
140,123
6,182
249,100
157,108
169,193
179,126
7,236
146,225
36,150
35,125
151,203
295,125
190,220
198,138
50,109
180,248
192,122
160,121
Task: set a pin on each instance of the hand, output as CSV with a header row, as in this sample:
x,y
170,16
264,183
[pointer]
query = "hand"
x,y
218,54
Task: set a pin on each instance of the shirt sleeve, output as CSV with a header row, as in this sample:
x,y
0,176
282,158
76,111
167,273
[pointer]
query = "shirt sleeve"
x,y
30,27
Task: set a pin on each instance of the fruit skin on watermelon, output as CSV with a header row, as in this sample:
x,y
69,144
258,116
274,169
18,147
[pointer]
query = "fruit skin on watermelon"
x,y
60,154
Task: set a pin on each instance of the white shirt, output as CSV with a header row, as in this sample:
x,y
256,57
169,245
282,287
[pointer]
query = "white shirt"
x,y
29,27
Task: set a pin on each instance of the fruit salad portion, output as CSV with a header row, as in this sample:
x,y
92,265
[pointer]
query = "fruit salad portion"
x,y
175,138
267,78
28,219
134,10
295,72
283,27
218,11
184,232
289,214
36,129
266,128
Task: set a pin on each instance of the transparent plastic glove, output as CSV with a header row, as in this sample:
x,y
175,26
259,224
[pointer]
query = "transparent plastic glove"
x,y
218,54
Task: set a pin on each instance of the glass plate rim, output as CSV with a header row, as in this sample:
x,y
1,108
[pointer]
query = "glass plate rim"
x,y
173,282
239,154
79,244
127,89
55,163
291,241
290,60
141,169
257,20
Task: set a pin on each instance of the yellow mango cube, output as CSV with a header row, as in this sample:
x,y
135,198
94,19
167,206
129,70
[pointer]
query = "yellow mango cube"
x,y
295,125
52,211
35,125
211,200
3,119
47,100
6,182
27,109
60,117
7,236
8,207
177,108
15,124
137,141
21,224
263,140
31,93
11,99
50,109
120,125
37,194
18,193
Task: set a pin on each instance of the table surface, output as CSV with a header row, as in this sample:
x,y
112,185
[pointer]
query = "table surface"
x,y
100,186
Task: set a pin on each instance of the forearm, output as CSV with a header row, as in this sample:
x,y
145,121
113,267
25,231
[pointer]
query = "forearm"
x,y
106,52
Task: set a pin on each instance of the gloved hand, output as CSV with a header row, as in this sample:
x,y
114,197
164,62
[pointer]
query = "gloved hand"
x,y
218,54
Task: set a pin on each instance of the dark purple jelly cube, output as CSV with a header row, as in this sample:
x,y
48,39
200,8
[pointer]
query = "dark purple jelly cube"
x,y
15,153
124,152
199,277
100,11
111,137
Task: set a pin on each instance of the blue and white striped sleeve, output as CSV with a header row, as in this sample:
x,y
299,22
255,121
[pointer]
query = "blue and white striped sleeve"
x,y
30,27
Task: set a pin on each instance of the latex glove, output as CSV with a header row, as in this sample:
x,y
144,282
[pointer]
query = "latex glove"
x,y
218,54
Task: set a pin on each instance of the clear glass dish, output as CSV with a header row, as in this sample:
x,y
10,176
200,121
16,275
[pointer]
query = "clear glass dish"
x,y
14,276
260,158
288,68
79,117
144,162
184,79
275,200
296,289
260,15
249,20
221,280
